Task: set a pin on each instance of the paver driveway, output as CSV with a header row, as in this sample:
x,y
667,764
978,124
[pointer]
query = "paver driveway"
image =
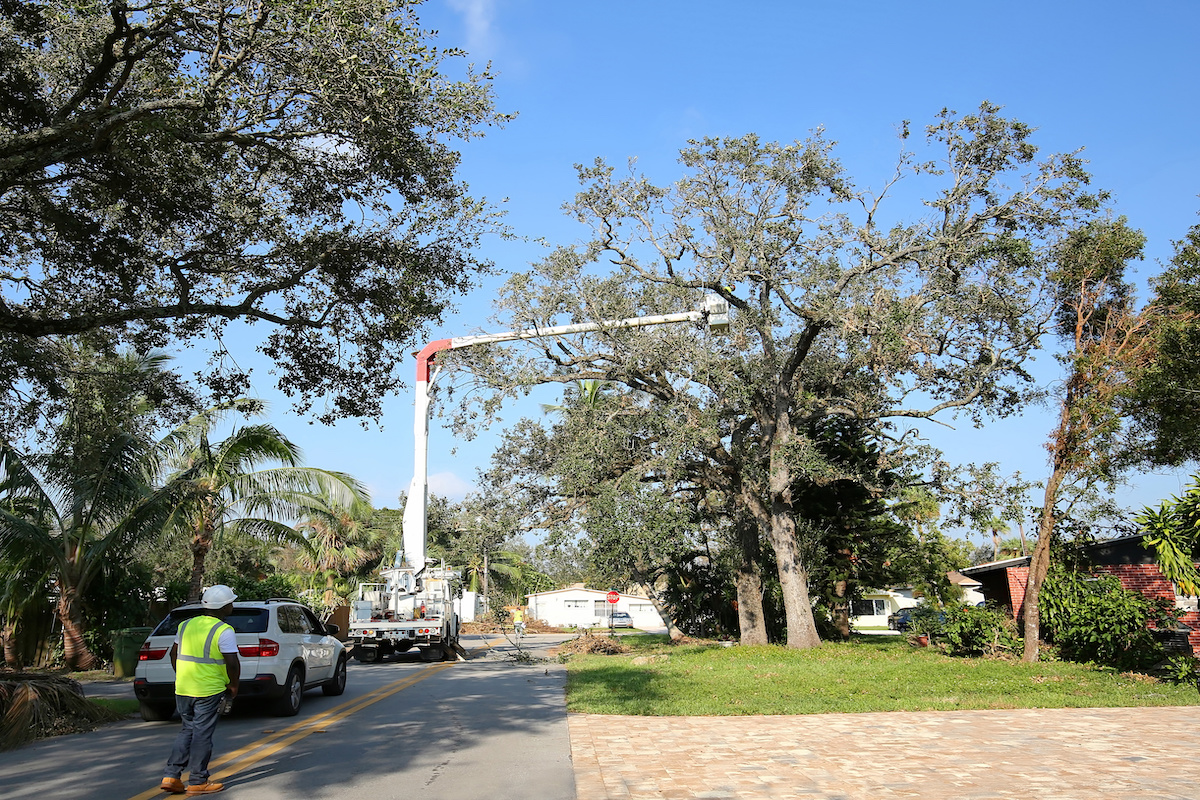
x,y
1059,754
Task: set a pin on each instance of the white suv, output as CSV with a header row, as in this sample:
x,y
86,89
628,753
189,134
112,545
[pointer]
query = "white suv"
x,y
283,648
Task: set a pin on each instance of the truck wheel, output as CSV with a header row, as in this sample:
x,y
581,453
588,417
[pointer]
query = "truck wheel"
x,y
337,684
293,694
156,712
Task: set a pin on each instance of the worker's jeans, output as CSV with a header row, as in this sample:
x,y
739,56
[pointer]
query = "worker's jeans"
x,y
193,745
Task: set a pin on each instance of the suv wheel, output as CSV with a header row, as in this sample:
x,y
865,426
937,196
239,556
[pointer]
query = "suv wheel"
x,y
293,694
337,684
156,712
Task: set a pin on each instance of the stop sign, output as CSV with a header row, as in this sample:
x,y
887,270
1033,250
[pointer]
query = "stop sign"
x,y
613,597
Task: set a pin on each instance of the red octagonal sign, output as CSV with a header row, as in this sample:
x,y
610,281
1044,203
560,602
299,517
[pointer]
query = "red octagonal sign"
x,y
613,597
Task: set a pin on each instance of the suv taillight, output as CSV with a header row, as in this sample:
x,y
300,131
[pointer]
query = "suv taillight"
x,y
264,649
148,653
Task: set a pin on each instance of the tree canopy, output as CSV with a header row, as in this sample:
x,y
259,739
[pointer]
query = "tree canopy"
x,y
842,306
168,170
1165,401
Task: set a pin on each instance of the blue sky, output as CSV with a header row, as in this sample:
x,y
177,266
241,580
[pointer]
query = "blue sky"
x,y
637,79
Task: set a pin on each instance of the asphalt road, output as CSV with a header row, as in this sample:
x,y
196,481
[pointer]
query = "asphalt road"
x,y
491,727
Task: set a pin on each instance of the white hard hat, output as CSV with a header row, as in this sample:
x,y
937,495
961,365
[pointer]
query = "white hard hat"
x,y
217,596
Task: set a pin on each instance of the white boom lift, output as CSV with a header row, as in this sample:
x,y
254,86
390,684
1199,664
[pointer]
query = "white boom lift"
x,y
414,605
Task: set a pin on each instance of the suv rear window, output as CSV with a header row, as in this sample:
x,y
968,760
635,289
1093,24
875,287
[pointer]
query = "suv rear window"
x,y
242,620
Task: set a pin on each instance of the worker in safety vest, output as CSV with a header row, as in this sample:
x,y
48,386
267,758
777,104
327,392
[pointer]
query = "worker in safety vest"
x,y
205,658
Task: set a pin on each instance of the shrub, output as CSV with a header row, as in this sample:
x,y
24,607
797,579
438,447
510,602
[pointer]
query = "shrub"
x,y
250,587
928,620
1092,618
974,631
1180,668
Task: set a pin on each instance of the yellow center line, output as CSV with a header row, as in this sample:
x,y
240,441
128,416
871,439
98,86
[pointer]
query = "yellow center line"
x,y
241,759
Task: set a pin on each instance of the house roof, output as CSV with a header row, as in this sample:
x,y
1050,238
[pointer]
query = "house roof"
x,y
581,588
992,566
958,579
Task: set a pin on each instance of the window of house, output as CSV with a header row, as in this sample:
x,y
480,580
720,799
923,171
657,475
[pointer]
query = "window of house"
x,y
575,603
868,608
601,608
635,608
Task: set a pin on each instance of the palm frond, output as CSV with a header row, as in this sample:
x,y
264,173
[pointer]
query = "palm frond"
x,y
32,705
266,530
251,445
20,479
334,488
173,447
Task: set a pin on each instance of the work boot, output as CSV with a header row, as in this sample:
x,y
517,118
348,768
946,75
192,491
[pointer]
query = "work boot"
x,y
205,788
172,785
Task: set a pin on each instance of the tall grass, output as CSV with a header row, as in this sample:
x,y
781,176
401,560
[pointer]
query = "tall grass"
x,y
871,673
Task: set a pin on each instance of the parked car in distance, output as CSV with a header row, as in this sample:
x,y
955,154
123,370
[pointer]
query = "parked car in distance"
x,y
900,620
283,647
620,619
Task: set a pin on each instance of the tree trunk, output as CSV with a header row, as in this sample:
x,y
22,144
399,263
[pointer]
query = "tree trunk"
x,y
1039,565
486,569
793,577
201,544
661,607
75,651
779,527
752,622
840,609
793,581
12,658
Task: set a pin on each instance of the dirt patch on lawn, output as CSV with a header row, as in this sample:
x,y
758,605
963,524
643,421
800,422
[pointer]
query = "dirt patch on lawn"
x,y
591,645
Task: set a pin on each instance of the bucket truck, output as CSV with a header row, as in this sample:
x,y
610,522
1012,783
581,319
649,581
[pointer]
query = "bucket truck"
x,y
413,606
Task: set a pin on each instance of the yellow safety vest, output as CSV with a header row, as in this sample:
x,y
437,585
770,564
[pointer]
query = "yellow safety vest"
x,y
200,668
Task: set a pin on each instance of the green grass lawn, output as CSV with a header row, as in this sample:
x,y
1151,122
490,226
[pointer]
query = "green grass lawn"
x,y
119,705
870,673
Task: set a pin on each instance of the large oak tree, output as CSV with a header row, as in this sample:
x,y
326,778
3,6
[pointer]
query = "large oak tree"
x,y
842,304
169,169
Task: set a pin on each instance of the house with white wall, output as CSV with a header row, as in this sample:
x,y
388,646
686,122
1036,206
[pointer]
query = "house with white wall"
x,y
580,607
873,609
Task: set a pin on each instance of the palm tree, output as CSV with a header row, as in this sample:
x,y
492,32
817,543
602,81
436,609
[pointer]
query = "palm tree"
x,y
219,488
338,542
479,568
24,587
68,513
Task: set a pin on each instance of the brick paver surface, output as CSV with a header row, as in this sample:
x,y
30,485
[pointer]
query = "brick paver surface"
x,y
1058,754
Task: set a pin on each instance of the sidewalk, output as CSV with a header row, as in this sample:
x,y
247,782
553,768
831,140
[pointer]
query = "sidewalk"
x,y
1059,754
111,688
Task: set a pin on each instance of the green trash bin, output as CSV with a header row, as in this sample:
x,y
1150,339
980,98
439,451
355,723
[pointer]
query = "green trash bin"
x,y
126,644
